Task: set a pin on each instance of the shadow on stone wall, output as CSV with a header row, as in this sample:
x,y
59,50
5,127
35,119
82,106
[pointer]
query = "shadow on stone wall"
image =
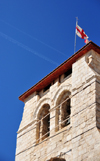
x,y
98,116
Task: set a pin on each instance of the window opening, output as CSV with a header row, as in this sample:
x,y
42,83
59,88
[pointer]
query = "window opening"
x,y
43,127
57,159
46,88
60,79
68,73
46,126
63,112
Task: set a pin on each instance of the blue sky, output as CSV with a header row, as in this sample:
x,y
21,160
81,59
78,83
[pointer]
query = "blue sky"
x,y
35,37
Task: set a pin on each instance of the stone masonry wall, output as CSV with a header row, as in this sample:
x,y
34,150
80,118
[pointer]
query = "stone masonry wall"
x,y
29,136
86,144
80,140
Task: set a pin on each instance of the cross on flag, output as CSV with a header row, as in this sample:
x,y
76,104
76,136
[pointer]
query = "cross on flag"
x,y
80,32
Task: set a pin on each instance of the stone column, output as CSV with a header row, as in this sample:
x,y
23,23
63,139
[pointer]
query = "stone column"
x,y
56,119
41,129
37,131
60,117
52,122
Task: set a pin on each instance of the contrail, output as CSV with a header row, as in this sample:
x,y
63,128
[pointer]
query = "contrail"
x,y
27,48
34,38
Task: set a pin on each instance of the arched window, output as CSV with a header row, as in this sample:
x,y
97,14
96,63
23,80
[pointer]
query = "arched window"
x,y
63,110
43,125
57,159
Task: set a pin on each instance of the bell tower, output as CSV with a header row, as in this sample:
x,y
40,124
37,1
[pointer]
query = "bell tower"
x,y
61,118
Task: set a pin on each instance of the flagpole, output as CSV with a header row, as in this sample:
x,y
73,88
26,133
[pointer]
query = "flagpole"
x,y
75,35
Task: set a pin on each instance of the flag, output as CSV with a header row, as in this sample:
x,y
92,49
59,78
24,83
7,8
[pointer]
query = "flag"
x,y
80,32
86,41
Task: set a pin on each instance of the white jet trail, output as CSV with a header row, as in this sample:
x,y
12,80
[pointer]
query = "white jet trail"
x,y
34,38
27,48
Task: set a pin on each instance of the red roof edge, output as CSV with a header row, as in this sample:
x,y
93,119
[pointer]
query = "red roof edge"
x,y
61,69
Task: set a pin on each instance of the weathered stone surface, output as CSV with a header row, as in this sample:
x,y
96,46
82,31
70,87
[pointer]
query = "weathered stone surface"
x,y
79,140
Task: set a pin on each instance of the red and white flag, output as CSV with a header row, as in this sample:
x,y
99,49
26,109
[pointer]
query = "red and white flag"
x,y
80,32
86,41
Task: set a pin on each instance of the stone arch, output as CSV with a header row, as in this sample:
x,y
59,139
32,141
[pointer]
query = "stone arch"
x,y
43,123
63,109
42,116
62,96
57,159
60,91
39,106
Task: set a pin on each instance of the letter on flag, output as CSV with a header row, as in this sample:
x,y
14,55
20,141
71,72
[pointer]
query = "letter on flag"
x,y
80,32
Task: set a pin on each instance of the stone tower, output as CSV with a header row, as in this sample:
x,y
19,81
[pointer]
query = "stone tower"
x,y
61,118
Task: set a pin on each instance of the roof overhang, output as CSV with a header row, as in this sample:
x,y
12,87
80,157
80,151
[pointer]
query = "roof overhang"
x,y
66,65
